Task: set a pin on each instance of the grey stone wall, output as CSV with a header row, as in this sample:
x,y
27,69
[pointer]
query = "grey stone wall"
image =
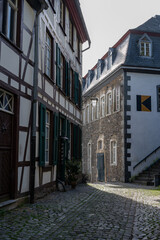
x,y
105,128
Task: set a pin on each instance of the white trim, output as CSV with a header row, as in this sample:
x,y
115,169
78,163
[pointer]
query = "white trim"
x,y
113,152
109,103
102,106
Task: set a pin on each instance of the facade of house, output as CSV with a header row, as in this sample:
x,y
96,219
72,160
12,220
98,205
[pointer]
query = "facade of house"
x,y
121,107
40,92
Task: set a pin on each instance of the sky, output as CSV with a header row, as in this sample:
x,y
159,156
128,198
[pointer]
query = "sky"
x,y
108,20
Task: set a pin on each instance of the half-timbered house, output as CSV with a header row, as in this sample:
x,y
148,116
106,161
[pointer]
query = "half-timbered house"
x,y
40,92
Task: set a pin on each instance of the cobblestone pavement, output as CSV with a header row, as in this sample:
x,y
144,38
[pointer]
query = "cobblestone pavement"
x,y
94,211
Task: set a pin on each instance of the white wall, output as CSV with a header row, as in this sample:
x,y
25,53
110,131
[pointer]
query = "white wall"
x,y
145,126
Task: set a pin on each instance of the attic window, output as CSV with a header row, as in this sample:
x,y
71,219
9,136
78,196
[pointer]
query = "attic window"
x,y
145,46
99,68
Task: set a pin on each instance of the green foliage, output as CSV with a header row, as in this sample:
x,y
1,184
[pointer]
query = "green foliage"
x,y
72,170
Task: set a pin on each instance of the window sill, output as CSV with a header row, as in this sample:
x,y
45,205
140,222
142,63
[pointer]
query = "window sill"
x,y
12,43
63,30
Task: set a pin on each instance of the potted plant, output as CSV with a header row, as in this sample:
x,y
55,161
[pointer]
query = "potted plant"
x,y
72,172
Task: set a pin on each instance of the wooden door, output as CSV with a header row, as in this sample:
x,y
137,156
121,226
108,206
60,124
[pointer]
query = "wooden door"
x,y
100,166
6,132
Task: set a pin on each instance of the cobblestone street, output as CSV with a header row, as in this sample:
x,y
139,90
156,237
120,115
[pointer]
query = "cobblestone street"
x,y
94,211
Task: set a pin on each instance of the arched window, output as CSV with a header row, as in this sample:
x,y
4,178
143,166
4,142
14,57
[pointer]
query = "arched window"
x,y
113,152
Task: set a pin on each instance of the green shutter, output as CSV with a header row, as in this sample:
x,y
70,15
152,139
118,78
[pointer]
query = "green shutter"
x,y
76,89
58,66
55,140
69,79
42,135
66,78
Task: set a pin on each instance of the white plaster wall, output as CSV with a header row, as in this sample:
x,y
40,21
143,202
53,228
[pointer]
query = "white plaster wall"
x,y
49,89
37,175
3,78
29,15
62,101
25,108
22,143
145,126
46,177
28,74
25,181
11,63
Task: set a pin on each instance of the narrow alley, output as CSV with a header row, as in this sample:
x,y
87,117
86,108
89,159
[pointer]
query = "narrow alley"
x,y
94,211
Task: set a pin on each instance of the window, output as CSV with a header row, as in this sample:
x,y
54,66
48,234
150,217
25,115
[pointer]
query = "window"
x,y
145,46
100,146
87,114
116,99
109,103
102,106
62,82
158,98
62,14
113,152
100,66
58,66
89,156
49,58
71,84
6,101
78,49
97,109
70,33
45,149
10,10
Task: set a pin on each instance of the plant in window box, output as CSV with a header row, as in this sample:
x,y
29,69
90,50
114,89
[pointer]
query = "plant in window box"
x,y
72,171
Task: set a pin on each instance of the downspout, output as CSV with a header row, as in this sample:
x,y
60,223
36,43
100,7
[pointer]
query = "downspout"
x,y
34,105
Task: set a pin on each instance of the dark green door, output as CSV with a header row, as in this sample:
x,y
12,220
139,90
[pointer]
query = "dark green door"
x,y
100,166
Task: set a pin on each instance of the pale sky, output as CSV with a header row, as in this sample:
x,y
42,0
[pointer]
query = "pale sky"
x,y
108,20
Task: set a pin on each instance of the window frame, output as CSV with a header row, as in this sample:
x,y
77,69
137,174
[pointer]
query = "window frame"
x,y
13,32
108,103
71,33
62,15
3,103
113,152
147,44
50,48
116,99
102,106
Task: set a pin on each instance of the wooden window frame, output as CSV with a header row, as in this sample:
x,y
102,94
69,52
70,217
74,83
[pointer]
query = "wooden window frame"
x,y
50,75
16,33
71,33
145,45
108,103
62,15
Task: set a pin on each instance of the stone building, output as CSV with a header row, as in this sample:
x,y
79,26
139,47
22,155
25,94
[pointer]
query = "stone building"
x,y
121,107
40,91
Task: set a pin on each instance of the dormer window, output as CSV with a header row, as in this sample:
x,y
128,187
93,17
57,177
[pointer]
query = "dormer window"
x,y
90,77
100,66
145,46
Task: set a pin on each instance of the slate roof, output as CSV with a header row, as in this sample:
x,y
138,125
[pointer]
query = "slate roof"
x,y
152,25
127,52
